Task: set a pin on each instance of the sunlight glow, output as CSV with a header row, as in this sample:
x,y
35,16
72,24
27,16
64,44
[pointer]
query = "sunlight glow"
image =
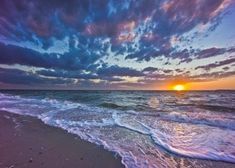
x,y
179,87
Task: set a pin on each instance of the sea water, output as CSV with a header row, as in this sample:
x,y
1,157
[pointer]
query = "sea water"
x,y
146,128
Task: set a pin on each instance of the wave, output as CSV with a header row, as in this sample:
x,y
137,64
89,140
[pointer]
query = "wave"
x,y
111,105
217,108
182,140
138,137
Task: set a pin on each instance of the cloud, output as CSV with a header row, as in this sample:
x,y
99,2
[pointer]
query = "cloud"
x,y
93,31
216,64
69,61
151,28
210,52
211,76
15,76
85,78
118,71
192,54
150,69
66,74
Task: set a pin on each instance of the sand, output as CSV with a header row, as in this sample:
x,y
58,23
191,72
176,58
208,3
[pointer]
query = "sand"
x,y
26,142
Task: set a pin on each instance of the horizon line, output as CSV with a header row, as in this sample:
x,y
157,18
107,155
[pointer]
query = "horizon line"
x,y
163,90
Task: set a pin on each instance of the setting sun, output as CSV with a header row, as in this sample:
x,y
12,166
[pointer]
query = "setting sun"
x,y
179,87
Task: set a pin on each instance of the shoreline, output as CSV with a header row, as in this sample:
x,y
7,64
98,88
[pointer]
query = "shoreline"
x,y
27,142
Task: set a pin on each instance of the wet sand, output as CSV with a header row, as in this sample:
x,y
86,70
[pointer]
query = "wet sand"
x,y
26,142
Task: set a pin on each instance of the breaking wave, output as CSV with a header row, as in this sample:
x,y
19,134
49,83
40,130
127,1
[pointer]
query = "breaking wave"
x,y
140,138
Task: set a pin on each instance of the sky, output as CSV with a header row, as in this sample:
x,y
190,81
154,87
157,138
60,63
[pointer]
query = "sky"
x,y
117,44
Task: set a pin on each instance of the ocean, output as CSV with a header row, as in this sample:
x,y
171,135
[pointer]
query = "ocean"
x,y
146,128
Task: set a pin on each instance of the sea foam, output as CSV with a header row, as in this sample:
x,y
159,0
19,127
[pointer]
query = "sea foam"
x,y
142,139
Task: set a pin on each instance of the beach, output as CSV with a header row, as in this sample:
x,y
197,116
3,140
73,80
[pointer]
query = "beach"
x,y
26,142
56,129
117,83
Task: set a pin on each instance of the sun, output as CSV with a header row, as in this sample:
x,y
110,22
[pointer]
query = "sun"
x,y
179,87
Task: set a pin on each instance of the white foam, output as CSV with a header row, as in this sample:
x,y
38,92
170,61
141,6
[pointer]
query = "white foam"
x,y
138,137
